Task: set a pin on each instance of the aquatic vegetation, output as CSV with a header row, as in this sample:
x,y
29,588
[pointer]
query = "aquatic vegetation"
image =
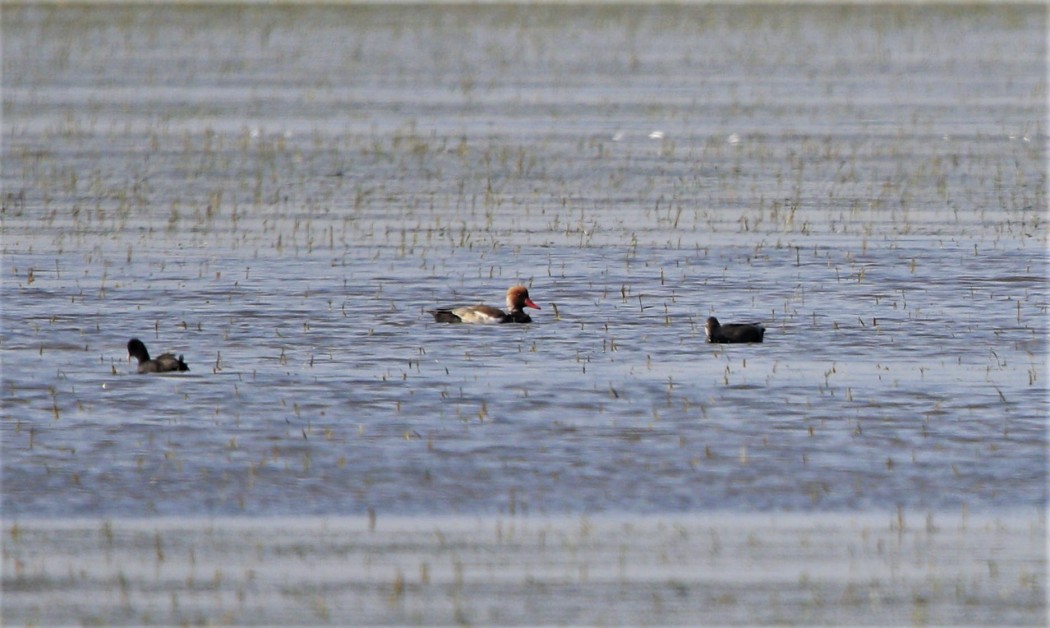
x,y
292,207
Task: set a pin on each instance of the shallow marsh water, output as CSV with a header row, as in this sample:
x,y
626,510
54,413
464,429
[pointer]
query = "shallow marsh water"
x,y
729,569
280,193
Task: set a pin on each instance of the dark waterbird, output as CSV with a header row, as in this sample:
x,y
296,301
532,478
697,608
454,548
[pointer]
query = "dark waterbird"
x,y
517,300
163,363
733,332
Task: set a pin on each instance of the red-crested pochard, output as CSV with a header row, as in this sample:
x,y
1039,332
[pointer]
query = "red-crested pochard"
x,y
517,300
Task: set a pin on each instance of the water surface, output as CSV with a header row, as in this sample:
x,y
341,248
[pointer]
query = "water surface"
x,y
281,193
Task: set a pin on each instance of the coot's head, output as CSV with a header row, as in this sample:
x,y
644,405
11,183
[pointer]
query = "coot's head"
x,y
712,325
137,350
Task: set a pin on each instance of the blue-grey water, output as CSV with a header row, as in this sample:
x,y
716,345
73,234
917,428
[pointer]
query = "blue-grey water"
x,y
280,193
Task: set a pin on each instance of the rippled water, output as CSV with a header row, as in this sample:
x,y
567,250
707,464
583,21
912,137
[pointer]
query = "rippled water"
x,y
281,193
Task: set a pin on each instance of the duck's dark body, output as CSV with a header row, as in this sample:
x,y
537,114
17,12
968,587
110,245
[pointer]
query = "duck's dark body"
x,y
164,363
734,332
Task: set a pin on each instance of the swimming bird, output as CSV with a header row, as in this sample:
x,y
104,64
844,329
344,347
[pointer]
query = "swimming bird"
x,y
733,332
161,364
517,300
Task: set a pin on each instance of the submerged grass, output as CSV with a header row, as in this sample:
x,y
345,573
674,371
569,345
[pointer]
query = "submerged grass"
x,y
289,209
